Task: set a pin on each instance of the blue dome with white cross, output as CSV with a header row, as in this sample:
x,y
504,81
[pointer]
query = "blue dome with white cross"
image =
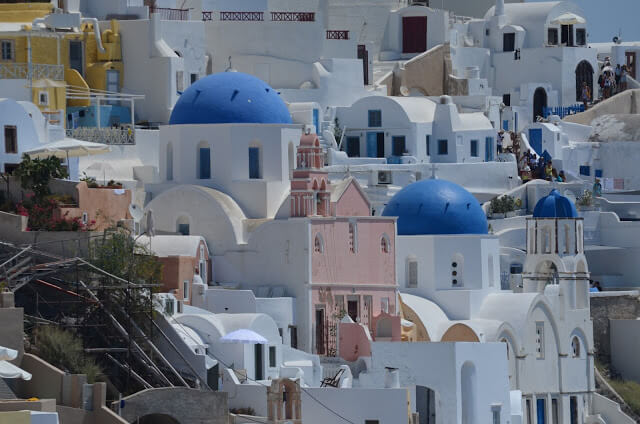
x,y
230,98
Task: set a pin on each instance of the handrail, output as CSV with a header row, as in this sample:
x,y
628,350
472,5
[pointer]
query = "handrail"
x,y
242,16
333,34
293,16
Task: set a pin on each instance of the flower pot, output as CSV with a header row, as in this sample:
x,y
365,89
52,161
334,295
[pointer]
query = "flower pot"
x,y
497,216
510,214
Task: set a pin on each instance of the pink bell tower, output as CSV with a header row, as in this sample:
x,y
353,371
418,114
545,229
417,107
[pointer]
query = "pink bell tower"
x,y
310,187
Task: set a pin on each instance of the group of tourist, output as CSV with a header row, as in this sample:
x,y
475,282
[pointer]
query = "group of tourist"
x,y
612,80
533,167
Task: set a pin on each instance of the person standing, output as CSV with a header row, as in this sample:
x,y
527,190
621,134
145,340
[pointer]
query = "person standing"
x,y
586,95
618,75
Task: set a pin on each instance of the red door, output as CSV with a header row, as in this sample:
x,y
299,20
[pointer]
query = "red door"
x,y
414,34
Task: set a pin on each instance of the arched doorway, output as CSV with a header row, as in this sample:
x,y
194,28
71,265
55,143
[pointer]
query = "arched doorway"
x,y
584,73
156,419
539,102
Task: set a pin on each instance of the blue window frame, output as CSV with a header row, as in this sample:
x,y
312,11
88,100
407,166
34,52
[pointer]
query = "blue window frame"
x,y
474,148
254,163
488,149
443,147
204,166
598,173
375,118
585,170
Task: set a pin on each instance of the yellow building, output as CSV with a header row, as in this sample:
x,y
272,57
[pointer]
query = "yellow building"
x,y
48,58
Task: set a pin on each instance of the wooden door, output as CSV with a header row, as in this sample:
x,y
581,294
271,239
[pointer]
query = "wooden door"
x,y
414,34
320,332
631,63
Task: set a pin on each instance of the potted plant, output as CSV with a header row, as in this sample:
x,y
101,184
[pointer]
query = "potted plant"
x,y
585,202
502,207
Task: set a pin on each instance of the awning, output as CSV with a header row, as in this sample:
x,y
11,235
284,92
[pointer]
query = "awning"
x,y
569,19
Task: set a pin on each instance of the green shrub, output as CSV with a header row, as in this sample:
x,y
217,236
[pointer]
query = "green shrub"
x,y
503,204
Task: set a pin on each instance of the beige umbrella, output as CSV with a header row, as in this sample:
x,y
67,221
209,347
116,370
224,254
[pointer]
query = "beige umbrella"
x,y
569,19
68,148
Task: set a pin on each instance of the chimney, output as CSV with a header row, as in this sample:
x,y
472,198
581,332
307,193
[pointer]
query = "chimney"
x,y
391,378
499,8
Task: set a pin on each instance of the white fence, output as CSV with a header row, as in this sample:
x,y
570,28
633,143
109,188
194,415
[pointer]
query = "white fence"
x,y
38,71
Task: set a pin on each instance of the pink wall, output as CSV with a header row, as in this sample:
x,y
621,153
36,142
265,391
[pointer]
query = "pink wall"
x,y
368,265
354,342
394,324
351,203
101,205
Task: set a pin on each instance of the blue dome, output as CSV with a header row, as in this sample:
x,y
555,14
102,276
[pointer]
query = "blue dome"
x,y
230,98
436,207
555,205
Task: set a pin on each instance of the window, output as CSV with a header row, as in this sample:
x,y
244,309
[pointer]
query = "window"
x,y
182,226
353,147
398,145
10,167
169,161
375,118
318,244
272,356
509,42
581,37
371,422
384,305
585,170
412,280
293,334
185,290
8,51
566,35
255,170
384,244
43,98
540,340
168,307
428,145
567,239
474,148
10,139
85,218
495,414
180,81
547,240
552,36
575,347
506,100
443,147
194,78
204,162
352,238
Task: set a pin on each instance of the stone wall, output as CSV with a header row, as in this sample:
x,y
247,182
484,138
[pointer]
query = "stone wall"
x,y
606,308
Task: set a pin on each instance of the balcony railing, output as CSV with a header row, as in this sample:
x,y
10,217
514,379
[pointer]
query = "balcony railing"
x,y
293,16
337,35
167,14
207,16
38,71
104,135
242,16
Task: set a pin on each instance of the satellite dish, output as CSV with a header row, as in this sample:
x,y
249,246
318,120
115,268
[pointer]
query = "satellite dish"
x,y
617,40
136,212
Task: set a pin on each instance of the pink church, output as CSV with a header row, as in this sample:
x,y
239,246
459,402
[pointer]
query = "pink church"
x,y
353,258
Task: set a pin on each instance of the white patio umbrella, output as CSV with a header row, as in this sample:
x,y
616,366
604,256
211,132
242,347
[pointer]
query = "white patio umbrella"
x,y
68,148
8,370
245,336
7,354
568,19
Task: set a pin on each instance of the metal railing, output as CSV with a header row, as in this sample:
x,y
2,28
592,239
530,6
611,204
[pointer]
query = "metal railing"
x,y
293,16
169,14
242,16
207,15
38,71
106,135
337,34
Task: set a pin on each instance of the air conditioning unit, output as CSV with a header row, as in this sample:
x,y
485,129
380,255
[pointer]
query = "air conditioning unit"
x,y
384,177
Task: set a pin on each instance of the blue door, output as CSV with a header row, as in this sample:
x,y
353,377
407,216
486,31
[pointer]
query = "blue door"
x,y
541,411
205,163
488,149
505,125
316,120
372,144
535,140
254,163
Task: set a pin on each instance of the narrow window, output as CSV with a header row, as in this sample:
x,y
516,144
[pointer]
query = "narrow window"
x,y
506,100
474,148
428,145
443,147
581,37
567,239
204,163
508,42
575,347
185,290
10,139
318,244
495,414
398,145
8,53
384,305
43,98
272,356
293,334
194,78
552,36
180,81
384,244
255,168
352,238
412,280
375,118
540,340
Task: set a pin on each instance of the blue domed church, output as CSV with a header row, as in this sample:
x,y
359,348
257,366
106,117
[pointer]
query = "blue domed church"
x,y
229,132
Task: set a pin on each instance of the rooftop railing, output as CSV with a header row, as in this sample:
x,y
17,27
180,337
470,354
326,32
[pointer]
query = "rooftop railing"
x,y
293,16
38,71
337,34
105,135
168,14
242,16
207,16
